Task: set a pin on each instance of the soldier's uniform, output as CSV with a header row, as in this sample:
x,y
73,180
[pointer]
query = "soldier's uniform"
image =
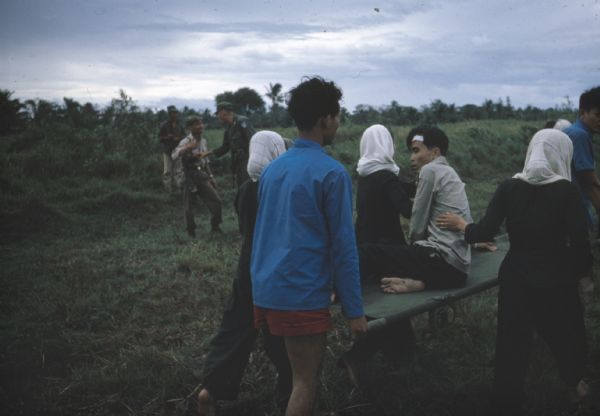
x,y
237,139
198,183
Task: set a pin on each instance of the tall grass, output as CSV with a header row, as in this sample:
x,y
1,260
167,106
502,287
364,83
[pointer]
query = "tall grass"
x,y
108,307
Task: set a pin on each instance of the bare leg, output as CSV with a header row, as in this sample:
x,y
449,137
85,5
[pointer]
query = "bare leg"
x,y
401,285
306,354
207,406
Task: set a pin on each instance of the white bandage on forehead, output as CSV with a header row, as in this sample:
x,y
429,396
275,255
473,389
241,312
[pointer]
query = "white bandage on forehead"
x,y
418,138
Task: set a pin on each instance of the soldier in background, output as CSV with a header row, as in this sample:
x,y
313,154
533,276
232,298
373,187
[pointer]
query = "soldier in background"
x,y
170,134
236,139
199,180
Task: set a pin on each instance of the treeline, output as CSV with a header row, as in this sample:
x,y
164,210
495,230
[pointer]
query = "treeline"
x,y
64,159
441,112
16,115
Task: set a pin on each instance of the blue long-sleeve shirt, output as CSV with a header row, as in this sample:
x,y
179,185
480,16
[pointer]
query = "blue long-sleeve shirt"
x,y
583,161
304,243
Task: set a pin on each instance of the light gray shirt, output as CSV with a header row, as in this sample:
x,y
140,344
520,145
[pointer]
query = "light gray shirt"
x,y
201,147
440,190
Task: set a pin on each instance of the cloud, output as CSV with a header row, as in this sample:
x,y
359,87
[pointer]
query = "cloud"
x,y
480,40
410,51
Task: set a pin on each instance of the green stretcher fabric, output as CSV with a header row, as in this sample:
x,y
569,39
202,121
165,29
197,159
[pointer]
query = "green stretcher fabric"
x,y
383,308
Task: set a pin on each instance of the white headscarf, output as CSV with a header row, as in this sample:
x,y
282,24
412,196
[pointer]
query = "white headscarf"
x,y
548,158
376,151
265,146
561,124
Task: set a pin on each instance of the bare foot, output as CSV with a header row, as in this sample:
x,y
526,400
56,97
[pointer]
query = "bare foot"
x,y
207,406
401,285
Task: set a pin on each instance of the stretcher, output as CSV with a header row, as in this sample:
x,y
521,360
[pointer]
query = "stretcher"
x,y
382,308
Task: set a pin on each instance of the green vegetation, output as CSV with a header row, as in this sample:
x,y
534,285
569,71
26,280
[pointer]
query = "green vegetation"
x,y
108,307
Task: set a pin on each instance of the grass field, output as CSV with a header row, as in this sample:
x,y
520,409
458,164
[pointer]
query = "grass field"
x,y
108,307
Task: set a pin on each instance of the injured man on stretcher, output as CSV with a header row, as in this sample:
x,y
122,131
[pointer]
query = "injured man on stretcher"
x,y
434,259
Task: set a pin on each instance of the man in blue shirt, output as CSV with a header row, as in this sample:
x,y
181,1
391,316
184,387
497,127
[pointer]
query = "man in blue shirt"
x,y
304,246
584,165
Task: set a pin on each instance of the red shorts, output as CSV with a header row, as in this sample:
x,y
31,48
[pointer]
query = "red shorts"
x,y
293,323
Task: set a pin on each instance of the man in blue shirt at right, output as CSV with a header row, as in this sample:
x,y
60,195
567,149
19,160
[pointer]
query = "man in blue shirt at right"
x,y
304,245
584,164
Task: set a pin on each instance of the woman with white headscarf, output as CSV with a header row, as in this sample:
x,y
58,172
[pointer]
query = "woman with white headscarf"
x,y
549,252
561,124
381,197
265,146
232,345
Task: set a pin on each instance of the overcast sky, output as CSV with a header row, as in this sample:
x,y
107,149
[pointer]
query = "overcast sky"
x,y
460,51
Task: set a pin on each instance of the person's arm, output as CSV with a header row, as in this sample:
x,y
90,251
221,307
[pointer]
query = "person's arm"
x,y
344,254
484,230
224,148
398,197
185,146
422,205
201,151
495,214
591,184
584,167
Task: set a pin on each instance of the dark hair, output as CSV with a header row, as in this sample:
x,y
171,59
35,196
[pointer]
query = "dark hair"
x,y
312,99
590,99
432,137
550,124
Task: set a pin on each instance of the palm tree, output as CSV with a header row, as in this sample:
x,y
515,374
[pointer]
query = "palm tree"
x,y
12,117
274,94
